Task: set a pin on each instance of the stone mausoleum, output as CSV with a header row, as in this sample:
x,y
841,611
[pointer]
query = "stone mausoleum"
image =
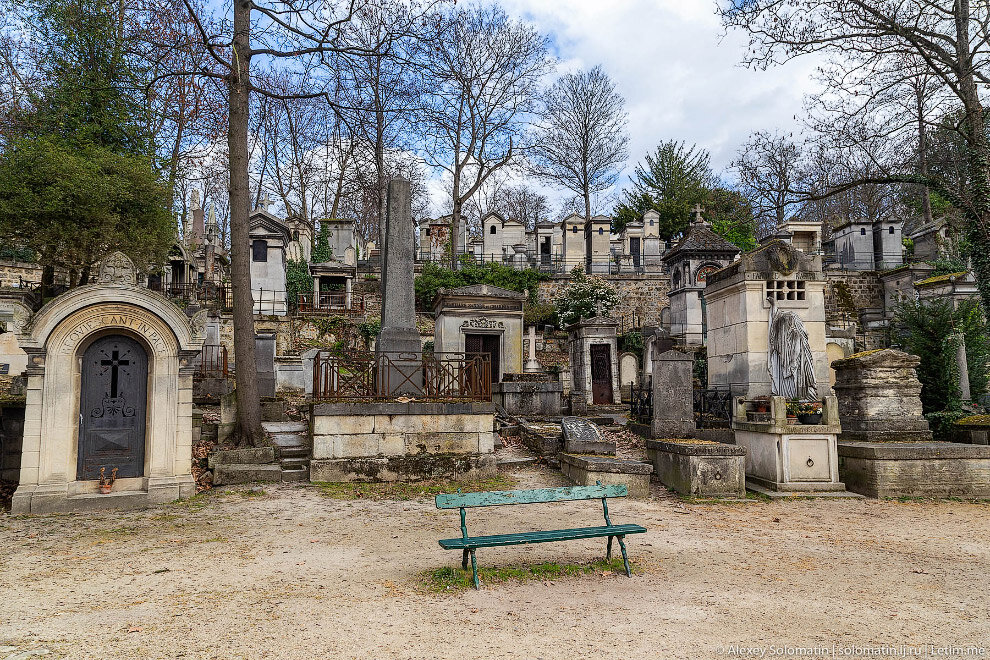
x,y
109,394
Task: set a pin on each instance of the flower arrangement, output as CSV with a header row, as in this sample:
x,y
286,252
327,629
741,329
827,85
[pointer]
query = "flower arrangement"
x,y
106,483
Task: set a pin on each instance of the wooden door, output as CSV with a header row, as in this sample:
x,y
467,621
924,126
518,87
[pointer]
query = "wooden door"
x,y
112,408
601,374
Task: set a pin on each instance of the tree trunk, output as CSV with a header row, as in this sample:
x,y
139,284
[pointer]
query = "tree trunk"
x,y
248,428
455,220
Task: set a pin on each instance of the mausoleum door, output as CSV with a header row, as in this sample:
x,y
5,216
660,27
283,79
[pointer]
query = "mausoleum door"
x,y
482,343
601,374
113,407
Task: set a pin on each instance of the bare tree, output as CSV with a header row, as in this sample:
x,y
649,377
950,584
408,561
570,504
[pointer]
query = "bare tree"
x,y
768,166
481,72
946,40
581,136
308,39
525,204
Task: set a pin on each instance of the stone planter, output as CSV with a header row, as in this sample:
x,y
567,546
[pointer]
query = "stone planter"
x,y
695,467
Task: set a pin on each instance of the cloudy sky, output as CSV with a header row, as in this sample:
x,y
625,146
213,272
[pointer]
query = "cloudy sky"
x,y
679,73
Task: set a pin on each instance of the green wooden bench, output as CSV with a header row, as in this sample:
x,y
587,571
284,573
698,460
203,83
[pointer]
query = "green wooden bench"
x,y
468,544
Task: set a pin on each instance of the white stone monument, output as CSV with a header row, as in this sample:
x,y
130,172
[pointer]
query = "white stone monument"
x,y
109,398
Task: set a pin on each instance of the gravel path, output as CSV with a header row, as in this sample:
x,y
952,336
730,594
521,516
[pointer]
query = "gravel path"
x,y
288,573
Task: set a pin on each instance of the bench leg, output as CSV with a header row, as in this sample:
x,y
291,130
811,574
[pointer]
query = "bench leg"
x,y
474,570
464,559
625,559
608,551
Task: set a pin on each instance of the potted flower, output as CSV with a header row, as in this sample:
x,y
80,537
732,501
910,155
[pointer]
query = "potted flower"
x,y
106,483
793,408
810,412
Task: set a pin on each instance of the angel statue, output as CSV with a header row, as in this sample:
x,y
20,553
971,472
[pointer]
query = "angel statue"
x,y
789,359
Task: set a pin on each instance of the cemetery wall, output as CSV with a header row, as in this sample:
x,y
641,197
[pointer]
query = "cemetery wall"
x,y
640,296
12,272
864,289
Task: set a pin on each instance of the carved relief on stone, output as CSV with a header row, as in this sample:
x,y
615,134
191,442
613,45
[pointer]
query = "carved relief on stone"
x,y
483,324
117,268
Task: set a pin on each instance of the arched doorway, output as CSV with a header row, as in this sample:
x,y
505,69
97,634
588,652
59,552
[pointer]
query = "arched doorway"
x,y
113,408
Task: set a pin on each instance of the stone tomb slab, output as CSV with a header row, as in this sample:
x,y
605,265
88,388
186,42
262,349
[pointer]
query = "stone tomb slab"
x,y
698,467
915,469
583,437
587,470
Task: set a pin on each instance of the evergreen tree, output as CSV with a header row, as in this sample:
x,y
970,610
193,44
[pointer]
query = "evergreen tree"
x,y
77,175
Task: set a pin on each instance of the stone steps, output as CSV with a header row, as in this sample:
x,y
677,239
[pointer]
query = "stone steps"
x,y
245,473
293,442
285,427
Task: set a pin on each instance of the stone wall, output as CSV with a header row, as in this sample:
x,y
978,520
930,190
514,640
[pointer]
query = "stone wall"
x,y
640,296
864,288
397,442
12,272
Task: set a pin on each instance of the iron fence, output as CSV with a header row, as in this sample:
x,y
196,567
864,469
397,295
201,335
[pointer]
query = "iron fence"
x,y
213,362
712,409
328,302
642,404
388,376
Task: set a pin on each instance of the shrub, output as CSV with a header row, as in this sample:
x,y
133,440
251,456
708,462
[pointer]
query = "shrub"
x,y
435,277
540,314
585,297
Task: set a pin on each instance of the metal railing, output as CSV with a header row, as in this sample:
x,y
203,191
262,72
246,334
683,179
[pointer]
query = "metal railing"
x,y
642,404
213,362
329,302
185,290
389,376
712,409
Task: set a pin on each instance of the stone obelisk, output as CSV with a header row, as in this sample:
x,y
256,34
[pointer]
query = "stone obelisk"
x,y
399,339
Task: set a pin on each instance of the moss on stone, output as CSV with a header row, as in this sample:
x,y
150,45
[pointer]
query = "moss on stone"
x,y
974,420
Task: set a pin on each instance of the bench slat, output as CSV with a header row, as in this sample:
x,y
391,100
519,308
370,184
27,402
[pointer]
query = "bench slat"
x,y
501,497
539,537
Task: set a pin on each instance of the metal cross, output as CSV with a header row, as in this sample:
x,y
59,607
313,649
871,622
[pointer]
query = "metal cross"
x,y
115,362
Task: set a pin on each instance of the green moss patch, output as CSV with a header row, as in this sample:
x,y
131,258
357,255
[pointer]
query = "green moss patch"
x,y
451,579
407,490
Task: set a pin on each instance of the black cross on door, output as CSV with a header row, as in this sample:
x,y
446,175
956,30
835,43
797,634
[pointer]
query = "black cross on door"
x,y
115,362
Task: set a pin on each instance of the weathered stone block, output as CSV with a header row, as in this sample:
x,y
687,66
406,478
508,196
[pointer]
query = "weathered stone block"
x,y
343,424
921,469
252,455
705,469
589,470
227,474
583,437
404,468
442,443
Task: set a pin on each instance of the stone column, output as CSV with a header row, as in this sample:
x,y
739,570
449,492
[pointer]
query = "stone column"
x,y
347,293
963,365
532,366
399,340
673,390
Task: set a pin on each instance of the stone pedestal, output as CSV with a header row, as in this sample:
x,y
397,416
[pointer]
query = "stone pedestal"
x,y
791,457
879,397
673,387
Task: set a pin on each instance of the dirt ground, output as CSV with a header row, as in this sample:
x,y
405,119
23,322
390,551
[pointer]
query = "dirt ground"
x,y
289,573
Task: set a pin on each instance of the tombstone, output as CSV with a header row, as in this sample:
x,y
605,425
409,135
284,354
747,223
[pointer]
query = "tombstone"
x,y
673,390
533,365
628,370
110,371
398,343
766,338
594,361
583,437
264,346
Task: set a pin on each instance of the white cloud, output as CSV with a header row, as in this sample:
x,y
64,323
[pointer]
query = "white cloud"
x,y
678,71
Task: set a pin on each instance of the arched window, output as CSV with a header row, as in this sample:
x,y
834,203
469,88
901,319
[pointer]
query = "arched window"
x,y
891,229
492,230
601,231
